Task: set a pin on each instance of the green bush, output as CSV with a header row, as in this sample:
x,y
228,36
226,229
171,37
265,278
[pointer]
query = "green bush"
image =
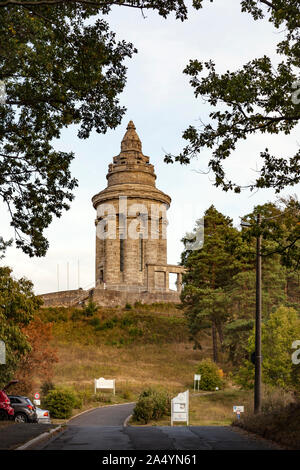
x,y
85,396
60,403
134,331
210,376
128,307
152,405
77,314
46,387
95,321
90,308
127,320
108,324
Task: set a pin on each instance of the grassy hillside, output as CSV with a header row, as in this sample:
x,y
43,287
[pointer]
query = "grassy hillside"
x,y
139,346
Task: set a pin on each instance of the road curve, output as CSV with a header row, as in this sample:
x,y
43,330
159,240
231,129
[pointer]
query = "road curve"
x,y
114,415
102,429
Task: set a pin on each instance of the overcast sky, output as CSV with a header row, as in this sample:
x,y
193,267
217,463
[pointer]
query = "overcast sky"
x,y
161,103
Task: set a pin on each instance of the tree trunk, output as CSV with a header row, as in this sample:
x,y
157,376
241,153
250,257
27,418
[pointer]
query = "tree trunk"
x,y
215,342
221,335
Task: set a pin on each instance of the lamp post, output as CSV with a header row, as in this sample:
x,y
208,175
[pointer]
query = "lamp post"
x,y
258,356
257,380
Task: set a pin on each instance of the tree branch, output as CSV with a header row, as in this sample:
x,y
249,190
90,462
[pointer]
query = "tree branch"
x,y
57,2
269,4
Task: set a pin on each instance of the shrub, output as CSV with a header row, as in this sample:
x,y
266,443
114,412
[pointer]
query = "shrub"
x,y
126,394
152,404
76,314
134,331
128,307
85,396
60,403
127,320
95,321
108,324
90,308
210,376
102,398
143,410
46,387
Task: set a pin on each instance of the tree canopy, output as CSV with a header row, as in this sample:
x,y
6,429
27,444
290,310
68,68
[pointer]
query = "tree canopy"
x,y
18,305
219,288
259,98
278,334
60,65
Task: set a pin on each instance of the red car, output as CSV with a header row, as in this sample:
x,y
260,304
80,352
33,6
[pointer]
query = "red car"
x,y
6,411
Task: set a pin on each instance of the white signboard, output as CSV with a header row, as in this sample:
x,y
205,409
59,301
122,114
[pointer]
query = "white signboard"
x,y
197,378
37,402
238,409
2,352
105,384
180,408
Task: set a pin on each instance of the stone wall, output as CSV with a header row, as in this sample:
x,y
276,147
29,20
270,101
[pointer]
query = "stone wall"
x,y
106,298
112,298
64,298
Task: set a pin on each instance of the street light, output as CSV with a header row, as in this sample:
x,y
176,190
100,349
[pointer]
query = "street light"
x,y
258,356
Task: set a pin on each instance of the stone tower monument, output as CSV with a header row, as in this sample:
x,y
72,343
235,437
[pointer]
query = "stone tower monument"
x,y
131,243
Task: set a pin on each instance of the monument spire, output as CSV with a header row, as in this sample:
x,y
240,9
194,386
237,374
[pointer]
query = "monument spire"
x,y
131,141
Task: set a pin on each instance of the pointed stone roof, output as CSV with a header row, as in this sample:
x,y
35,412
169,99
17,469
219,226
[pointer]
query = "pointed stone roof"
x,y
131,174
131,141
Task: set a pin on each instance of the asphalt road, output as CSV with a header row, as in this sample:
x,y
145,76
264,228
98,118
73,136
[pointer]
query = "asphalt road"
x,y
105,416
102,429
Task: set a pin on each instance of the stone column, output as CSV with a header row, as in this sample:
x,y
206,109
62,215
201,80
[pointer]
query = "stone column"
x,y
179,283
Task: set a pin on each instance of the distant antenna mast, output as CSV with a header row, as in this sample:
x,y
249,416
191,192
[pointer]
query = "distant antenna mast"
x,y
78,266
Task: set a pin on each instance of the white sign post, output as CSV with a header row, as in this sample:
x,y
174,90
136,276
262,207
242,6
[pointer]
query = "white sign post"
x,y
105,384
197,378
2,352
180,408
238,410
37,400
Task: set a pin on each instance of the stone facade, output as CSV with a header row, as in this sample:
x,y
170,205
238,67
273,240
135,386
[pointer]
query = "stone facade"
x,y
131,225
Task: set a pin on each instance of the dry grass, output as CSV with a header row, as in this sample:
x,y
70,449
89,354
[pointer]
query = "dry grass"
x,y
279,420
134,366
147,345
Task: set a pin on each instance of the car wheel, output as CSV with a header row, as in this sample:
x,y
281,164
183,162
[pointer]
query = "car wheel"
x,y
20,418
3,415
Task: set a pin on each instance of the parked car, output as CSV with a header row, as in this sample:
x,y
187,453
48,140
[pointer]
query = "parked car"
x,y
6,410
25,411
43,416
